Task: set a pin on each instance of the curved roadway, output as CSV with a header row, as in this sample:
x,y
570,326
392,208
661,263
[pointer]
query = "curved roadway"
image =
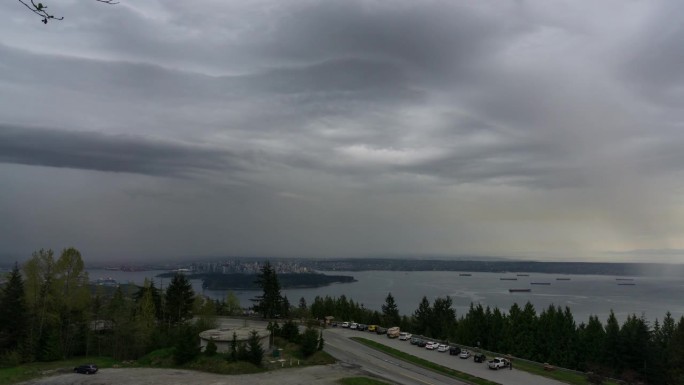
x,y
338,344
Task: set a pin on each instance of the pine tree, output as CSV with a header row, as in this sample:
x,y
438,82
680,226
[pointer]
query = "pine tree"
x,y
612,344
422,316
234,348
390,312
270,303
255,352
186,346
210,349
675,373
592,341
14,314
179,300
309,342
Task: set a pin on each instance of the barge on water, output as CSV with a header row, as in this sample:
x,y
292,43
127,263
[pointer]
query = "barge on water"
x,y
519,290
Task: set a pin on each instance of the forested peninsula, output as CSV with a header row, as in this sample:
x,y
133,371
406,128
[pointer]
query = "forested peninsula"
x,y
237,281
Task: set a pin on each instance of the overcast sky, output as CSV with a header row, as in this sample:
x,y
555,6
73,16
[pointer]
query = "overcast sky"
x,y
548,130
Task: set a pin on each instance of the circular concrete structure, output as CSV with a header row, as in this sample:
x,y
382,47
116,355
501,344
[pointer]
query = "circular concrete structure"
x,y
223,337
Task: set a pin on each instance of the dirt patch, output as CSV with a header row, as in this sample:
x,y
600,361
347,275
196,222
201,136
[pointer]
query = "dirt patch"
x,y
312,375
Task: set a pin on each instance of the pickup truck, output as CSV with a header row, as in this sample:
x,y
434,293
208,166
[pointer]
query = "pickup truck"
x,y
498,363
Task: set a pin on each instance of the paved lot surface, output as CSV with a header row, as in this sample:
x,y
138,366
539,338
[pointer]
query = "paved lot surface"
x,y
504,376
314,375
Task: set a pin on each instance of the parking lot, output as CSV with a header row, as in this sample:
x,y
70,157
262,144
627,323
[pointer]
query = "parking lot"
x,y
504,376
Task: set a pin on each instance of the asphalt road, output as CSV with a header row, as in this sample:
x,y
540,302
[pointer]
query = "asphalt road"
x,y
405,373
378,364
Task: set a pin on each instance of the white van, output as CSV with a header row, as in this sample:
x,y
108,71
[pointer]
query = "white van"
x,y
404,336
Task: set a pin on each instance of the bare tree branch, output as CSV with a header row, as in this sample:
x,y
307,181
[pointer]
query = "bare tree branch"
x,y
41,10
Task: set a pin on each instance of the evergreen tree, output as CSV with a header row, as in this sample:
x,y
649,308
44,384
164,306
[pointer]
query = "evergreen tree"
x,y
309,342
145,321
186,346
634,339
179,300
255,352
13,314
234,348
284,308
443,317
390,312
592,341
675,373
270,303
611,358
210,349
290,331
422,316
303,309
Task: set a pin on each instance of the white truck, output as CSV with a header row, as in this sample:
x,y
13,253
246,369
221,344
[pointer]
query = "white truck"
x,y
393,332
499,363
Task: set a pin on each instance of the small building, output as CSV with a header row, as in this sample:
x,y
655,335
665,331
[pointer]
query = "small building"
x,y
223,337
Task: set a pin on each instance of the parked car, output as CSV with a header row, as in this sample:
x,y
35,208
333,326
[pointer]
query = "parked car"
x,y
454,350
333,324
345,324
479,357
371,328
86,369
414,340
404,336
442,348
380,330
422,343
362,327
498,363
464,353
354,326
431,345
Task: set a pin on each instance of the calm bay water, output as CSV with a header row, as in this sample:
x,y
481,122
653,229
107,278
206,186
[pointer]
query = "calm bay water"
x,y
585,295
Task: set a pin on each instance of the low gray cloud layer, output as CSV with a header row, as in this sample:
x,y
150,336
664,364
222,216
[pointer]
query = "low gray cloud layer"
x,y
344,128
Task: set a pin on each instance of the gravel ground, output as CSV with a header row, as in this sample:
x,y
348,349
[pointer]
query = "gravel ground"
x,y
312,375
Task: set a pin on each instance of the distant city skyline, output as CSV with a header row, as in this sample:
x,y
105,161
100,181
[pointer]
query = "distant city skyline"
x,y
159,131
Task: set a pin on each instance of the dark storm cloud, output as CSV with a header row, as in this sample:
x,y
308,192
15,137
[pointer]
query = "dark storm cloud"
x,y
405,126
113,153
437,40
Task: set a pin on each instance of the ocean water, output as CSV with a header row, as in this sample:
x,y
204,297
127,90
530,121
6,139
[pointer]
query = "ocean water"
x,y
585,295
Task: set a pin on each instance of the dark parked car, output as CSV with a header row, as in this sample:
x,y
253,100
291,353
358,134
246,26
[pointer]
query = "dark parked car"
x,y
380,330
454,350
479,357
422,343
86,369
362,327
